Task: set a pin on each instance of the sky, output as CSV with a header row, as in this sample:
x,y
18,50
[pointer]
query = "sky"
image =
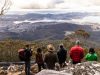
x,y
72,5
89,5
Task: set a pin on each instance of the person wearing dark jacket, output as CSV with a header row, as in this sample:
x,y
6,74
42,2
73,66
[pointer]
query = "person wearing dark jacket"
x,y
50,57
76,53
39,59
62,55
91,56
28,54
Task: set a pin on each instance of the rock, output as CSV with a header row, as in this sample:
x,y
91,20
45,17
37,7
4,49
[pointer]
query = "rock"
x,y
85,68
2,72
34,68
52,72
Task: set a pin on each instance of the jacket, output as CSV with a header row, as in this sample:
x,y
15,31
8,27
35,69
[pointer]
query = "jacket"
x,y
91,57
39,58
76,53
28,54
50,59
62,55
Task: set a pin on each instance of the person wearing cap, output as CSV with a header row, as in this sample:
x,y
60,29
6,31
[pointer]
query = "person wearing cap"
x,y
62,55
91,56
50,57
76,53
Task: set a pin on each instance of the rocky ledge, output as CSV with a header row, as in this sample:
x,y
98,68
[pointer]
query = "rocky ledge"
x,y
85,68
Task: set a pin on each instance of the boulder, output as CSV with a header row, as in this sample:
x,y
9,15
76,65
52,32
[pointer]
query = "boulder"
x,y
85,68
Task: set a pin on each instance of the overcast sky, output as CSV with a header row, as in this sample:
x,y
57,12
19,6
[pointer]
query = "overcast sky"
x,y
90,5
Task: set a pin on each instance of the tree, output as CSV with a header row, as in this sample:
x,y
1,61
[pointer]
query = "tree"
x,y
82,33
4,6
78,34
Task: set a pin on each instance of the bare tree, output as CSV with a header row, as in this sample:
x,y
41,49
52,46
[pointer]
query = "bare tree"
x,y
4,6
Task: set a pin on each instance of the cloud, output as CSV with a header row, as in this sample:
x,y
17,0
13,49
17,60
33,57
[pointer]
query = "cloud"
x,y
35,4
39,4
57,4
78,3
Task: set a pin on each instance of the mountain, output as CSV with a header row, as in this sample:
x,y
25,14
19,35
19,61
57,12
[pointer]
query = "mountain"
x,y
39,26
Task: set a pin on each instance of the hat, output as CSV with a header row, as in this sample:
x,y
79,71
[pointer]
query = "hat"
x,y
77,42
50,47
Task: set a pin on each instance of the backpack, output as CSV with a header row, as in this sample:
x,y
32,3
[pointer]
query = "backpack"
x,y
21,54
25,54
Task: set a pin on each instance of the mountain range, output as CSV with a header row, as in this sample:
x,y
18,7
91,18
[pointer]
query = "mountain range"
x,y
40,26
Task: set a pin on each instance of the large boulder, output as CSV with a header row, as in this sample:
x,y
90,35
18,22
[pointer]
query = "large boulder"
x,y
86,68
52,72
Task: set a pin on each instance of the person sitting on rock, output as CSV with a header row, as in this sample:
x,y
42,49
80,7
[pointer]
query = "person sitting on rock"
x,y
91,56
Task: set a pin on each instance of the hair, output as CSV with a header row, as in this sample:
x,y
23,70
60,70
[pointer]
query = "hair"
x,y
91,50
27,45
39,50
77,42
61,46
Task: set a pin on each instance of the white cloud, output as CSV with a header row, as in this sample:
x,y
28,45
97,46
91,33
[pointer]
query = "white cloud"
x,y
57,4
34,4
88,19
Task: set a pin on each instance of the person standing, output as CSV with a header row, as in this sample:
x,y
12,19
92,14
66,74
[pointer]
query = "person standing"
x,y
28,54
39,59
91,56
50,57
62,55
76,53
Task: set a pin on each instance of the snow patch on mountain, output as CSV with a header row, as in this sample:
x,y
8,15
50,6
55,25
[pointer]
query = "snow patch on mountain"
x,y
36,21
93,21
68,32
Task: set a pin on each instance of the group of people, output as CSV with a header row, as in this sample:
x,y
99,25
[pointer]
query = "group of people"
x,y
54,58
51,58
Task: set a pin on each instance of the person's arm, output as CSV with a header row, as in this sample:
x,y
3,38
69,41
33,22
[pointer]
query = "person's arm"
x,y
45,58
36,58
86,57
31,52
66,53
82,54
70,52
96,57
57,60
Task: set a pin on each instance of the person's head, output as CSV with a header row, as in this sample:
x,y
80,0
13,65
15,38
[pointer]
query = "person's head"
x,y
39,50
61,46
91,50
77,42
50,48
27,46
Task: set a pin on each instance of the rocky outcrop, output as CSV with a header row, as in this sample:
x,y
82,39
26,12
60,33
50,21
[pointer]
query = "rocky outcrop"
x,y
86,68
17,70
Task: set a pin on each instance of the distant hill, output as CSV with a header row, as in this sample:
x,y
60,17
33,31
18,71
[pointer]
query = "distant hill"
x,y
41,26
46,30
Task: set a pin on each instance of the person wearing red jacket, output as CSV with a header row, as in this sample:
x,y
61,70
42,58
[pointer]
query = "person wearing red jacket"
x,y
76,53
